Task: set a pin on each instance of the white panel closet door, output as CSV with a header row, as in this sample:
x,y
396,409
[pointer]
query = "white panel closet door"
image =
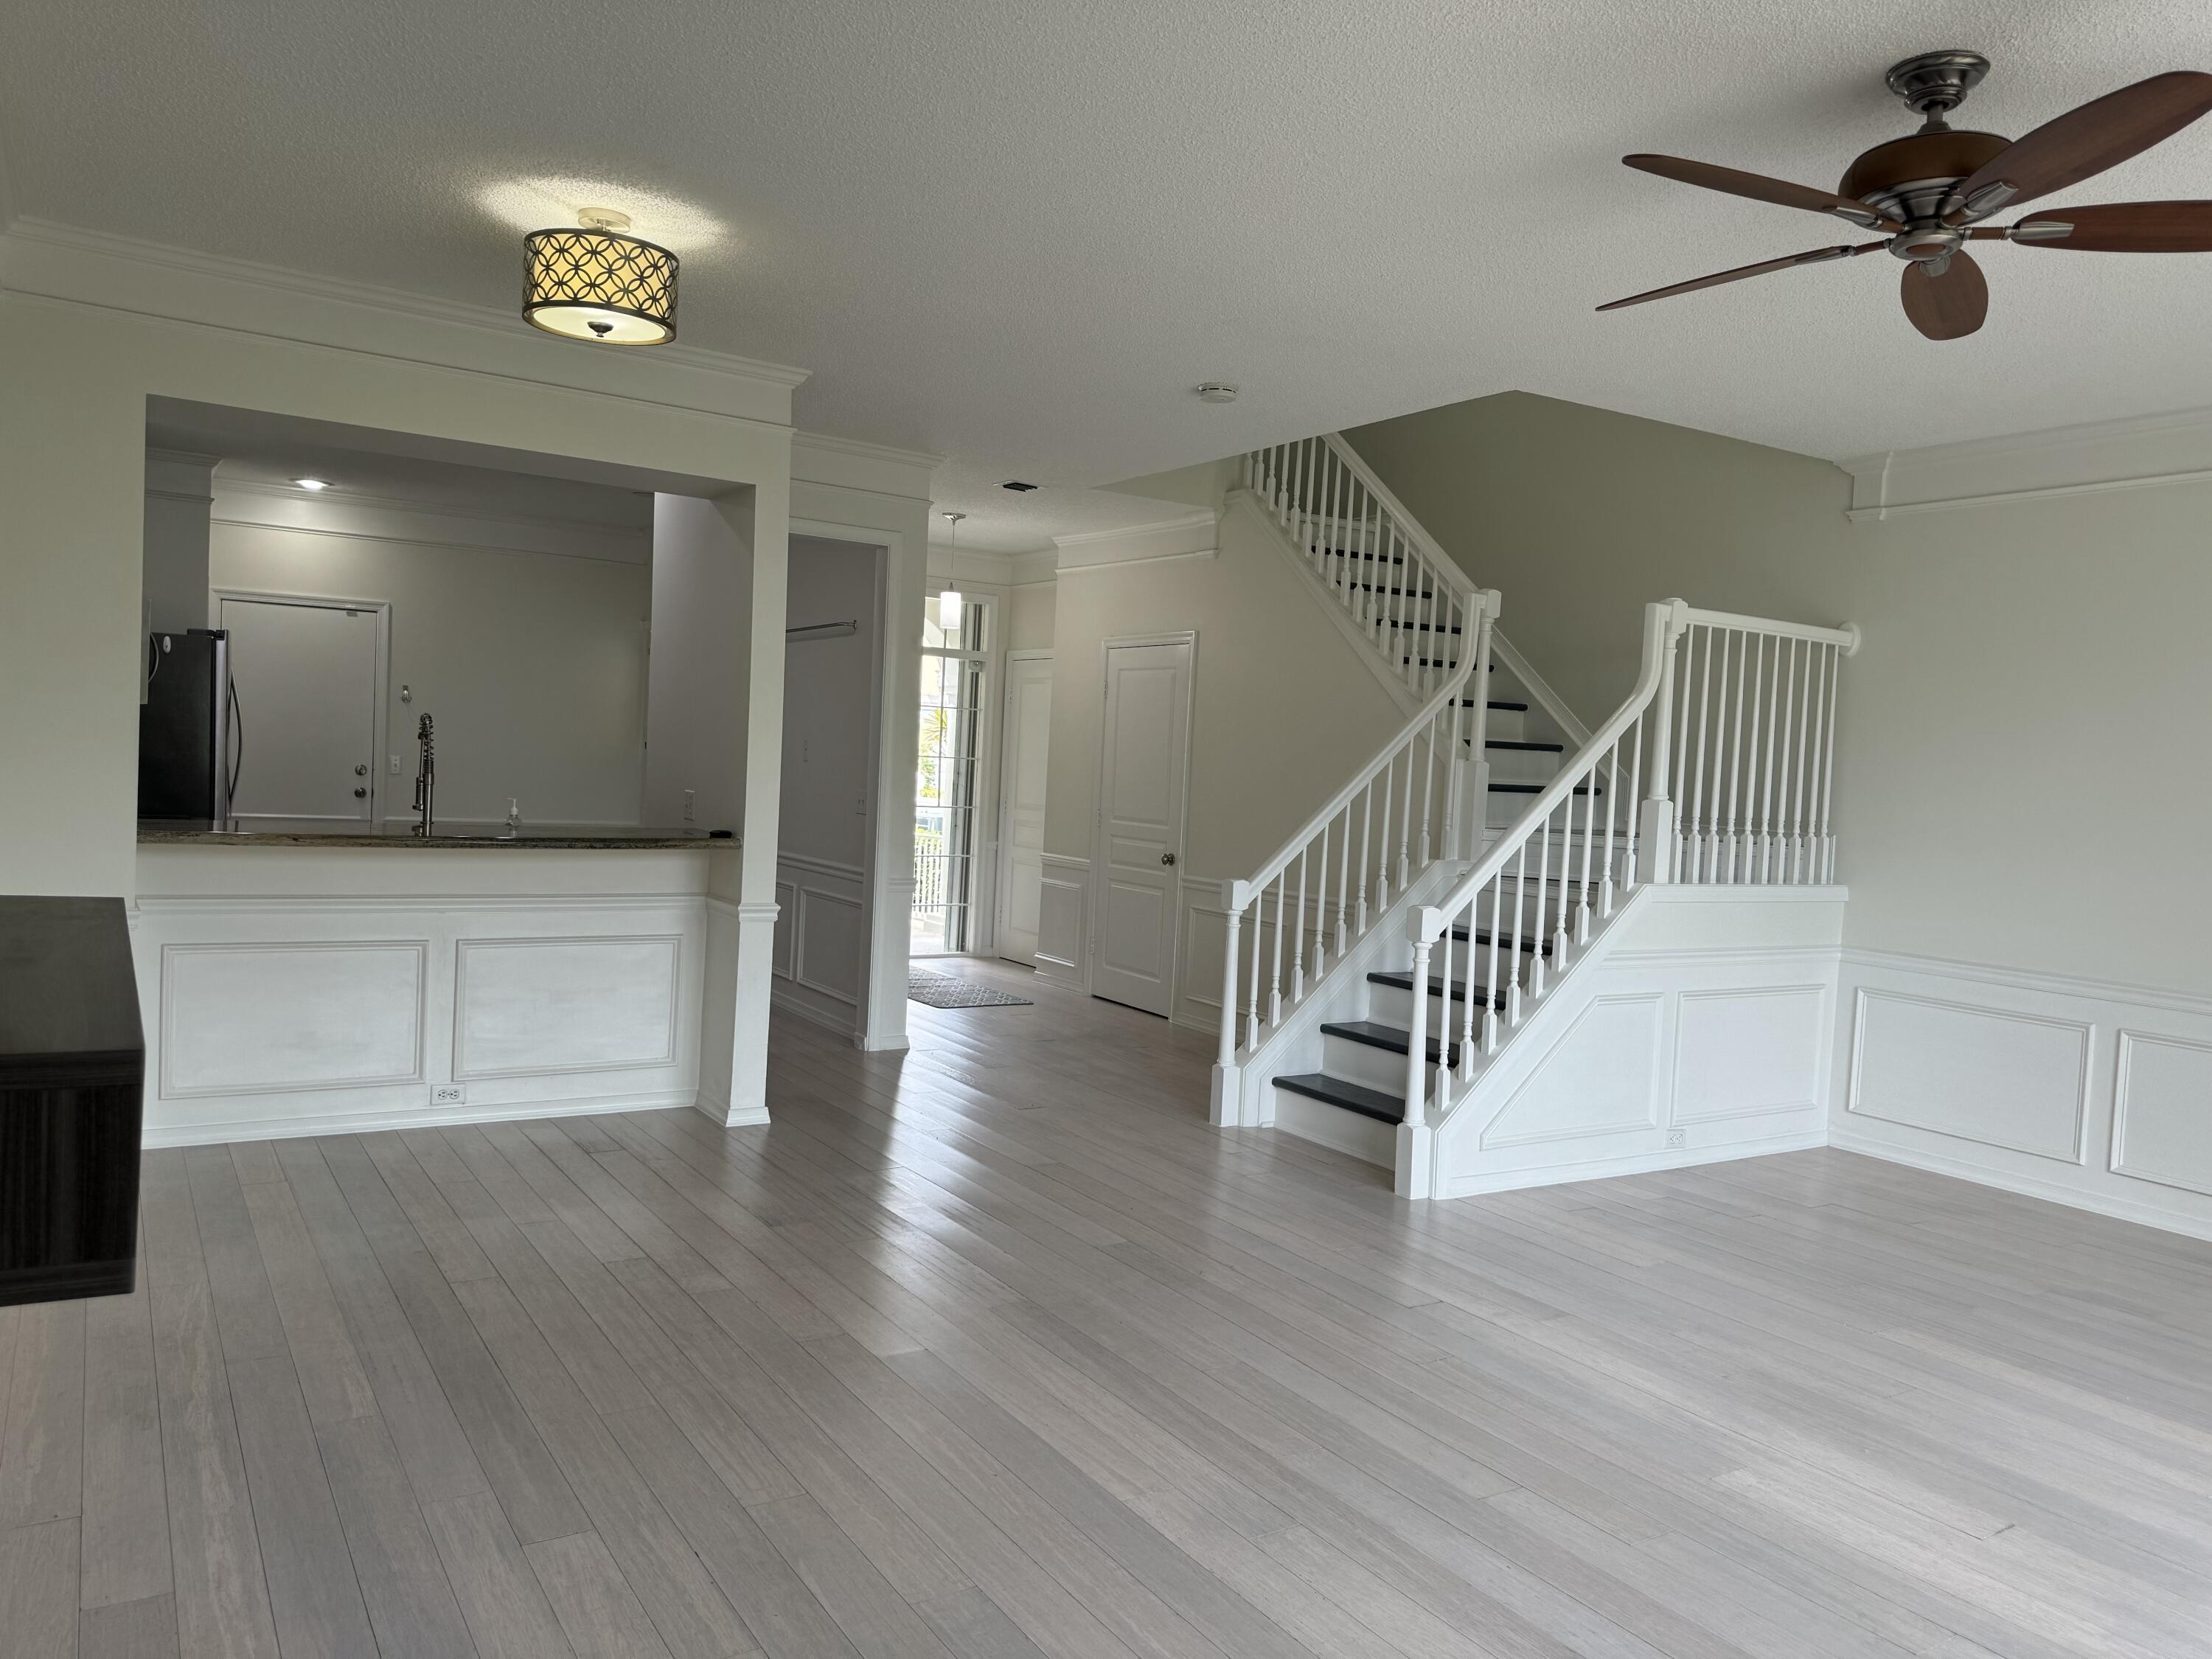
x,y
306,702
1141,826
1021,805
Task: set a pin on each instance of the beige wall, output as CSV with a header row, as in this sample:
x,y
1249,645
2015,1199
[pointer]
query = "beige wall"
x,y
1030,609
1578,515
82,358
2007,790
533,665
1284,711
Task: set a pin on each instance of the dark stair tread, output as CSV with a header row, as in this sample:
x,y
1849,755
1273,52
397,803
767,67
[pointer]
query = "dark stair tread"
x,y
1418,628
1497,707
1428,662
1535,788
1394,1038
1371,558
1506,940
1458,987
1524,744
1352,1096
1395,592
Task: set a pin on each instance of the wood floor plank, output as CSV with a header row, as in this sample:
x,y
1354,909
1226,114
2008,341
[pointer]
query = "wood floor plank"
x,y
125,1541
312,1589
42,1436
594,1603
129,1630
220,1585
402,1581
507,1611
38,1590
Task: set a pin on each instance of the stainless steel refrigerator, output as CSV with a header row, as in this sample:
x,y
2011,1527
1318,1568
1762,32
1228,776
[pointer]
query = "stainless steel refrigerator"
x,y
191,734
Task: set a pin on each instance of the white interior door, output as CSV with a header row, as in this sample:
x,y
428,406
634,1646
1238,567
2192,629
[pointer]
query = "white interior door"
x,y
1021,805
1140,806
306,675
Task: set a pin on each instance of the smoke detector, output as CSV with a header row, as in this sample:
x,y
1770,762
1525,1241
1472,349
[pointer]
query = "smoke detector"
x,y
1216,391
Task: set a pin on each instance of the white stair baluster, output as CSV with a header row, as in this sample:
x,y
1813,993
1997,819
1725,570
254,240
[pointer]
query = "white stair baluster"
x,y
1827,871
1343,879
1275,972
1490,978
1804,759
1298,937
1366,825
1735,760
1321,904
1520,907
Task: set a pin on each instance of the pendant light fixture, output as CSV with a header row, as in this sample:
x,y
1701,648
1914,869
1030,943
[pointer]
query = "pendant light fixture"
x,y
599,283
949,601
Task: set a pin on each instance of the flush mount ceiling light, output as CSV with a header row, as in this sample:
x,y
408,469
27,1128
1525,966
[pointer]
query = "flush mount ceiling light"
x,y
596,283
311,485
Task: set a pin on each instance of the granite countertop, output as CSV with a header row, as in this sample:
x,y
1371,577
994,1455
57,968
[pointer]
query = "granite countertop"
x,y
200,833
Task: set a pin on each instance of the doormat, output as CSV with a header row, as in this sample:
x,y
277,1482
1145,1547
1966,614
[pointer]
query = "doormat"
x,y
940,991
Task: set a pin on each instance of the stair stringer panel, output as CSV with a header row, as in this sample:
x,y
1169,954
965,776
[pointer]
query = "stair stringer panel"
x,y
1697,1025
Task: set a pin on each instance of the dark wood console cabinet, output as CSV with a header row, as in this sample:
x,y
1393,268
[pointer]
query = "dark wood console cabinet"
x,y
72,1078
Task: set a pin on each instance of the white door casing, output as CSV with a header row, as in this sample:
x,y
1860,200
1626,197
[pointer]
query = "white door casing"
x,y
308,678
1144,754
1028,729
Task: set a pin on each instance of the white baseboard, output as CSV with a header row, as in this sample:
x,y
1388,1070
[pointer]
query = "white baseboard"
x,y
361,1123
791,1000
2117,1206
718,1115
1506,1181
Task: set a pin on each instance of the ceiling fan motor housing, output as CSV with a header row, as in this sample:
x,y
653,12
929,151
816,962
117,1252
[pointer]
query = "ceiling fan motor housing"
x,y
1908,178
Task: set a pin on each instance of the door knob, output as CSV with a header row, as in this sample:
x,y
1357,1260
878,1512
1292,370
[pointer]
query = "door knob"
x,y
361,794
1167,858
361,771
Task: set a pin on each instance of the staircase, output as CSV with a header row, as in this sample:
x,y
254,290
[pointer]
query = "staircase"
x,y
1380,971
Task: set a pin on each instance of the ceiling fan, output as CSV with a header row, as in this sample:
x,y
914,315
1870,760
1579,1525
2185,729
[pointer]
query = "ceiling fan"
x,y
1927,193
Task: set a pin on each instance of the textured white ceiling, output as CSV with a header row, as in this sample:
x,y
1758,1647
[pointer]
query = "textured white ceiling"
x,y
1015,233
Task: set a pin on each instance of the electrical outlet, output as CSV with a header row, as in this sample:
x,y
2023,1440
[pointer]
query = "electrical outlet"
x,y
691,806
395,766
861,804
1673,1140
449,1094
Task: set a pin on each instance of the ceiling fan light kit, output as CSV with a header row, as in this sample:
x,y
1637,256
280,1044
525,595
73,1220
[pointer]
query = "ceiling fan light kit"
x,y
1927,193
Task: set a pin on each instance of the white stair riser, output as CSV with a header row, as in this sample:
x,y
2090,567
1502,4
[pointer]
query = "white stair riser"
x,y
1522,765
1363,1063
1355,1133
1509,725
1388,1004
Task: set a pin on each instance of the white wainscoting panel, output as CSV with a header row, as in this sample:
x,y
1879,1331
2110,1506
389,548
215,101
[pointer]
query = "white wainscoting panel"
x,y
1698,1027
2162,1112
1747,1053
2082,1091
821,940
1599,1077
1063,902
1993,1076
526,1006
247,1019
341,990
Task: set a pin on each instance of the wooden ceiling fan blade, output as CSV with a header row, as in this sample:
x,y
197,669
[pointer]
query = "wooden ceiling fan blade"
x,y
1814,257
1949,307
2101,134
2121,227
1730,182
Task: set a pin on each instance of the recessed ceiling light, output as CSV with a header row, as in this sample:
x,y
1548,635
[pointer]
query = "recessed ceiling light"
x,y
1216,391
313,485
1017,486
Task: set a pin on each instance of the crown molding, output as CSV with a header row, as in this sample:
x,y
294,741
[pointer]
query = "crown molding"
x,y
991,567
65,264
855,463
2096,458
1193,536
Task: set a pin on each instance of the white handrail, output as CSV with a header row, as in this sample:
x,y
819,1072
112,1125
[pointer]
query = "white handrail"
x,y
1777,680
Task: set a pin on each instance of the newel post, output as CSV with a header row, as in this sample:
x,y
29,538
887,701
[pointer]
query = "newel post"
x,y
1416,1139
1664,623
1228,1107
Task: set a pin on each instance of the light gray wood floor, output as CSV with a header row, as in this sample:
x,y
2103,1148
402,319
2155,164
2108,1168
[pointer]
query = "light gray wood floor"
x,y
996,1350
